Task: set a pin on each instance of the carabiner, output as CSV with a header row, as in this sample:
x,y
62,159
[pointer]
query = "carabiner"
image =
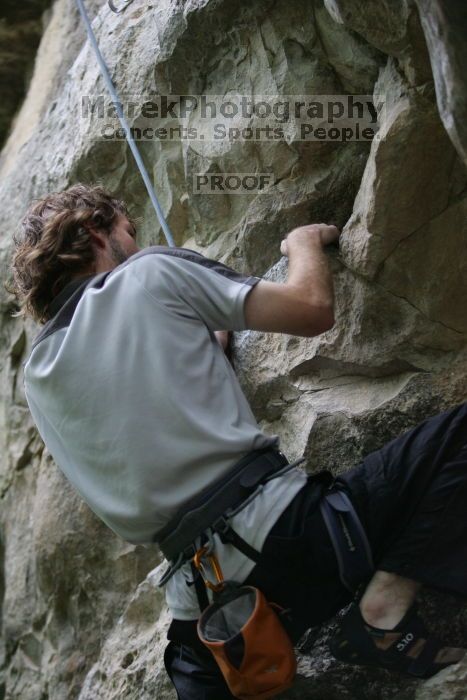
x,y
215,566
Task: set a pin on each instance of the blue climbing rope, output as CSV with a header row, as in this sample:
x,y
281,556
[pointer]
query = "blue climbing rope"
x,y
124,123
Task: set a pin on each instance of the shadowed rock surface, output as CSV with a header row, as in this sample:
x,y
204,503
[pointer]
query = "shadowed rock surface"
x,y
20,32
81,616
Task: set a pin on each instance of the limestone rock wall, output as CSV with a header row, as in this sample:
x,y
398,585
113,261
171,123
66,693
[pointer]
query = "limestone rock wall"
x,y
80,614
20,31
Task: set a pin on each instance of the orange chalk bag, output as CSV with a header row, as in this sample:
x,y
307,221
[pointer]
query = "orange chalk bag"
x,y
245,635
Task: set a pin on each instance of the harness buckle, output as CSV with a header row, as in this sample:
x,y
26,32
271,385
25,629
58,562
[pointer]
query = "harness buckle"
x,y
189,552
221,526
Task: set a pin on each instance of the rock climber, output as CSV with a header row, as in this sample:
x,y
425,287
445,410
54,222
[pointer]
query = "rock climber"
x,y
132,393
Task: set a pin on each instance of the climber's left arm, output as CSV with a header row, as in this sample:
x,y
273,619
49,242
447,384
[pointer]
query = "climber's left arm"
x,y
223,338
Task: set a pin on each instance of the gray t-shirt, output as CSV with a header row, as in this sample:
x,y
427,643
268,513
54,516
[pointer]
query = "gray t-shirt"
x,y
136,400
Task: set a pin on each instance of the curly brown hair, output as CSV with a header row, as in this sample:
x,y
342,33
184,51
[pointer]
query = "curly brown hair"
x,y
54,244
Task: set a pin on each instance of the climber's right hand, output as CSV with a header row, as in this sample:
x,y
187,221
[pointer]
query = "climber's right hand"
x,y
323,234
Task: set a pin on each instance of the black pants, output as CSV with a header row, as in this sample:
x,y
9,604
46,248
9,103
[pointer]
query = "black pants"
x,y
410,496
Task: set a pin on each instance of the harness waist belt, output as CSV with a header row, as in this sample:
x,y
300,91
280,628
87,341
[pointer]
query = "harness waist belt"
x,y
202,511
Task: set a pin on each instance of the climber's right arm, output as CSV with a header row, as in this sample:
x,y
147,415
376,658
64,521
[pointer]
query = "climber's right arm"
x,y
304,305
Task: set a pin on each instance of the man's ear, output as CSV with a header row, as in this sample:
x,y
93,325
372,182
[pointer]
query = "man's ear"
x,y
98,236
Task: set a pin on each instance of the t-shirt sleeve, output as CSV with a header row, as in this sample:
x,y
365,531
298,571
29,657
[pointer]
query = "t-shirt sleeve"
x,y
195,286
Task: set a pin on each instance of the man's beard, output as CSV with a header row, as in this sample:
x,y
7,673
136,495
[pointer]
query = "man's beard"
x,y
118,254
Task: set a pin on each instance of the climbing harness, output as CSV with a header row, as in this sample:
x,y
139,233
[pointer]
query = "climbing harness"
x,y
118,107
213,508
211,511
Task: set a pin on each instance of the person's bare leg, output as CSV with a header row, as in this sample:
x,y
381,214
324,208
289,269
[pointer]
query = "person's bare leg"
x,y
387,599
385,602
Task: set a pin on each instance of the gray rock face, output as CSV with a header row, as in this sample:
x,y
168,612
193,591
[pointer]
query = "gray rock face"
x,y
20,31
81,616
445,27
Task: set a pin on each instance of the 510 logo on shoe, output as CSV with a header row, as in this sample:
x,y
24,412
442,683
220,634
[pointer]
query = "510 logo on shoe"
x,y
403,642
